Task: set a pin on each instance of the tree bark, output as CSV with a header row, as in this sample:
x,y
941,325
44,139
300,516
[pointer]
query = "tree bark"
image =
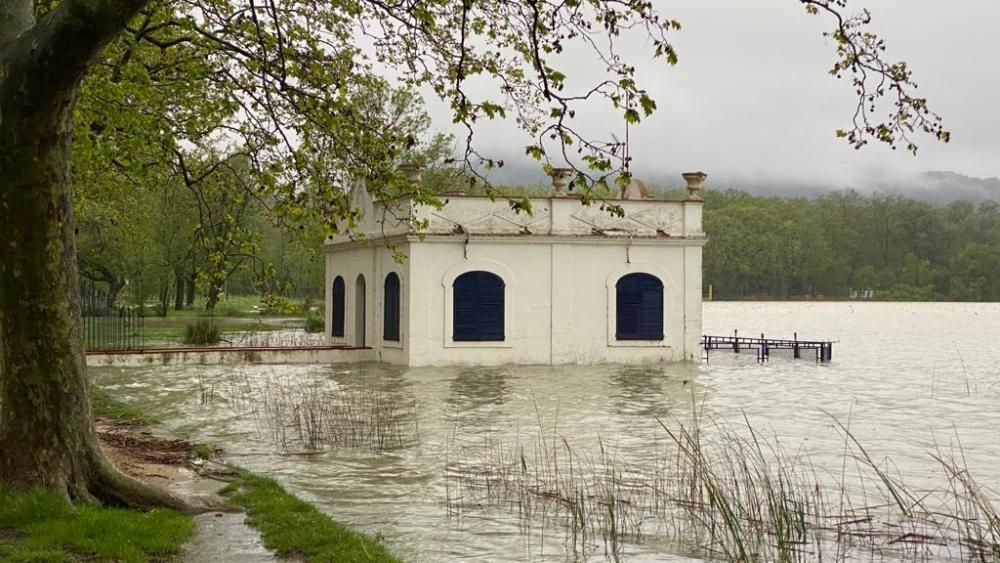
x,y
189,296
114,290
17,17
214,291
47,436
179,293
164,299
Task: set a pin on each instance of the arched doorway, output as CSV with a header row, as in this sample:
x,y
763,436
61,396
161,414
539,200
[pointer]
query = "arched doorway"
x,y
359,311
337,308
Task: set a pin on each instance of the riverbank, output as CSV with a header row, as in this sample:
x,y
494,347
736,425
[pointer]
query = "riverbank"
x,y
40,526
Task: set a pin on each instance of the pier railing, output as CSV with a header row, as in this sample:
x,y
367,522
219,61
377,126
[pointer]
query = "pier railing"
x,y
763,346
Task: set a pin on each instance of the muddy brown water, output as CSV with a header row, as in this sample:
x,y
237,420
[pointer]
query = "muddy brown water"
x,y
907,378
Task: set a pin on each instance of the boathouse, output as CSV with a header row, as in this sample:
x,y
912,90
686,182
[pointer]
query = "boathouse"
x,y
483,285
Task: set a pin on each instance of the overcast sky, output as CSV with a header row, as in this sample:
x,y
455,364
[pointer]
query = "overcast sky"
x,y
751,102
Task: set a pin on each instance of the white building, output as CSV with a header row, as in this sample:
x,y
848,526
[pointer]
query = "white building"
x,y
484,285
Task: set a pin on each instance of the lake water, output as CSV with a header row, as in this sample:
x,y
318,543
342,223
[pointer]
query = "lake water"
x,y
908,379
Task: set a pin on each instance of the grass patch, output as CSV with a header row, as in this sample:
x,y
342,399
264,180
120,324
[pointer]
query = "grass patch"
x,y
203,451
42,526
104,406
244,306
291,527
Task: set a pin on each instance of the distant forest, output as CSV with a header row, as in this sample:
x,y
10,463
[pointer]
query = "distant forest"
x,y
849,245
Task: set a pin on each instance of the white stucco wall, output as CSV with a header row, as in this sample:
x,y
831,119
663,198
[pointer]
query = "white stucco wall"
x,y
373,260
560,301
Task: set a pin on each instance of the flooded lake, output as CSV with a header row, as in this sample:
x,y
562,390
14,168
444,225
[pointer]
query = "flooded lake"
x,y
463,464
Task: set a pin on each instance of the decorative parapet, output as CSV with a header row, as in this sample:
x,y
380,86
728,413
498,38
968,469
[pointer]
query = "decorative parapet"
x,y
479,215
639,218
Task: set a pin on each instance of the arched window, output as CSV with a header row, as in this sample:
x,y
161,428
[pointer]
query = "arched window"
x,y
337,315
639,299
390,311
479,307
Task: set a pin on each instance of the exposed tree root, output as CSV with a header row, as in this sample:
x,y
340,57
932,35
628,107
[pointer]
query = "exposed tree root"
x,y
111,486
91,478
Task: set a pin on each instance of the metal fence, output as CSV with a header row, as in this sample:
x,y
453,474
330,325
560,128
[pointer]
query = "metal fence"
x,y
109,321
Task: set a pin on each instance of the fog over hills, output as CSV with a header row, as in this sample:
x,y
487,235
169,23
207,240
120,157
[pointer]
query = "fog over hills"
x,y
937,186
945,186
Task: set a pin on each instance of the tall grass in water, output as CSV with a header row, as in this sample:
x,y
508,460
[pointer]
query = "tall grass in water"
x,y
202,331
314,416
730,494
592,497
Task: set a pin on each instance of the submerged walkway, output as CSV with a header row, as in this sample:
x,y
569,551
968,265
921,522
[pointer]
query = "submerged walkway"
x,y
763,346
225,536
212,355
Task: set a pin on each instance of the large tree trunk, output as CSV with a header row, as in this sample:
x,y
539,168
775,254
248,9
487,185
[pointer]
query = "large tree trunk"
x,y
47,436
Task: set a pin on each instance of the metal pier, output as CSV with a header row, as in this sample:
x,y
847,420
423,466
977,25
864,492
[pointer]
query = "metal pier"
x,y
763,346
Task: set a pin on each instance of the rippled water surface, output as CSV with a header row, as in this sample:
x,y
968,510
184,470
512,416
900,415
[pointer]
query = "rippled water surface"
x,y
906,378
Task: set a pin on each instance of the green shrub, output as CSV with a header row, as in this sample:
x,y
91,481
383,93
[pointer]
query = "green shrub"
x,y
314,323
277,305
202,331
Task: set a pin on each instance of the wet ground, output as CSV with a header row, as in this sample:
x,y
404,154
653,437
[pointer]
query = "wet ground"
x,y
225,537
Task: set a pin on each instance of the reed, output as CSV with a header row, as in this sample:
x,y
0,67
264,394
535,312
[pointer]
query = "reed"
x,y
729,493
315,416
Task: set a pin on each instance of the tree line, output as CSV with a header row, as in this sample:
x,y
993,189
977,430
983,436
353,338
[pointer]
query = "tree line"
x,y
847,244
171,242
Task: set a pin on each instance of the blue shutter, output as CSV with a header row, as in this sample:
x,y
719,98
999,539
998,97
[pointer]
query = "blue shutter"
x,y
338,307
639,308
628,304
478,315
651,309
390,315
491,305
465,319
